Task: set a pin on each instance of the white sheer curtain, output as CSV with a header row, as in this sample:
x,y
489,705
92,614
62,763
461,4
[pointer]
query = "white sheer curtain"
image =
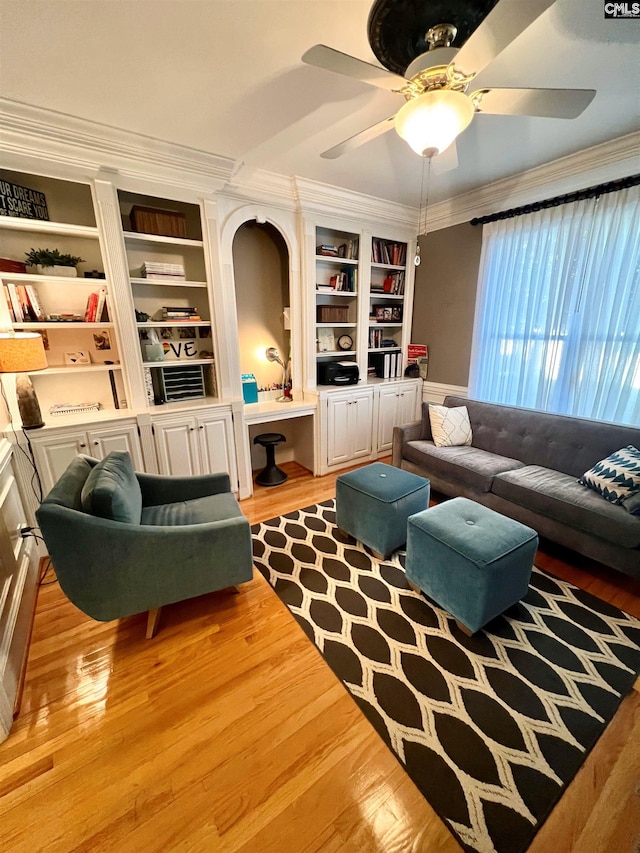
x,y
557,322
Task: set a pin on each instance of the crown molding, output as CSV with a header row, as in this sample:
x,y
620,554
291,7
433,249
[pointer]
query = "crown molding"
x,y
608,161
325,198
89,148
260,185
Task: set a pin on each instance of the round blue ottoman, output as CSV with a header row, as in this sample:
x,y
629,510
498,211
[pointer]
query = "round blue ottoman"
x,y
472,561
373,504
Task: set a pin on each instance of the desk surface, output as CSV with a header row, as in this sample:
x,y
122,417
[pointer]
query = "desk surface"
x,y
271,410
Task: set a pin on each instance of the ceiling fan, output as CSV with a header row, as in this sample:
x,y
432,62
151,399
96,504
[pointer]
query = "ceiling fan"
x,y
435,78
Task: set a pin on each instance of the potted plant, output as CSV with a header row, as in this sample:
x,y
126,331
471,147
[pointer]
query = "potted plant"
x,y
53,262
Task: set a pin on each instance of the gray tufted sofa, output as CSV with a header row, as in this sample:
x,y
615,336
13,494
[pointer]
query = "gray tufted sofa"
x,y
525,464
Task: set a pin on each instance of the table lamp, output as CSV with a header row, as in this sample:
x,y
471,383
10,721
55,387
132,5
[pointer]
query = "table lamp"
x,y
272,354
21,353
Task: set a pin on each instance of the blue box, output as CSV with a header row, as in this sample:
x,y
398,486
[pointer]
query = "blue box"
x,y
249,388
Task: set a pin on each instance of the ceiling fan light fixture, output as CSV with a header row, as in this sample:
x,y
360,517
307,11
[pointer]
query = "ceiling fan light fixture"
x,y
431,122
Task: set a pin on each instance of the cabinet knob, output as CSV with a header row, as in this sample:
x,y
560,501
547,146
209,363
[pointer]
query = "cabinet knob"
x,y
96,443
191,429
82,444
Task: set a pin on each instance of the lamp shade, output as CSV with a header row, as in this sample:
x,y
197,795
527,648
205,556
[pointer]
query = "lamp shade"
x,y
22,352
430,122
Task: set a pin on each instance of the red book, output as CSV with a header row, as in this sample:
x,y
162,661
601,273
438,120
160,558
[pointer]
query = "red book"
x,y
92,304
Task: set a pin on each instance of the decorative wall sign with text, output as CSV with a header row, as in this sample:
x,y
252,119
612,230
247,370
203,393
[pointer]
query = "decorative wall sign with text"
x,y
21,201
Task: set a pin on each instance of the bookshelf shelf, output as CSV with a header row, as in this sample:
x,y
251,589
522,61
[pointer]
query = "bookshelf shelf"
x,y
392,267
159,324
332,259
137,237
61,369
60,280
64,325
155,282
334,353
60,229
177,363
339,293
336,325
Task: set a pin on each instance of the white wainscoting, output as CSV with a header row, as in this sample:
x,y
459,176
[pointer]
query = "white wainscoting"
x,y
435,392
19,560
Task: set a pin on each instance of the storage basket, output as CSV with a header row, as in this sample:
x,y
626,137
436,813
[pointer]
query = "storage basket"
x,y
333,314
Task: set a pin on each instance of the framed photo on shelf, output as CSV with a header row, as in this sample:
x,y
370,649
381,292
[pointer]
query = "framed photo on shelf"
x,y
77,358
326,340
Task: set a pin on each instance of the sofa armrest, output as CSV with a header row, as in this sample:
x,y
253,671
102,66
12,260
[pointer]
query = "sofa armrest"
x,y
402,434
163,489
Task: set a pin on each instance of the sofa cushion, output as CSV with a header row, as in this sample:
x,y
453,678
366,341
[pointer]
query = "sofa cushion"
x,y
617,477
560,496
469,465
450,427
198,511
112,490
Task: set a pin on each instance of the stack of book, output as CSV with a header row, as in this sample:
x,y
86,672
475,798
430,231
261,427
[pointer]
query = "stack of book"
x,y
327,250
95,306
154,269
23,302
170,314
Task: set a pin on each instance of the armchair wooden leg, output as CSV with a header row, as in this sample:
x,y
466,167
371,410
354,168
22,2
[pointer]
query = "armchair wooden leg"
x,y
153,617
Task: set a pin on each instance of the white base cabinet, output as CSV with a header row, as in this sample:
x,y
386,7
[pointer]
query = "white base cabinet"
x,y
54,451
357,424
348,424
187,445
397,404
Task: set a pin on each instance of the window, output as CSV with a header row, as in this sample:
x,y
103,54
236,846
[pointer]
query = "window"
x,y
558,316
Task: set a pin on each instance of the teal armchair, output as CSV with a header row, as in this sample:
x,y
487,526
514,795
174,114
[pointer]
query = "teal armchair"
x,y
123,542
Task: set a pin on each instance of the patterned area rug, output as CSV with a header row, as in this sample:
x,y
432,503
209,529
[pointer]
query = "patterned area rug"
x,y
491,728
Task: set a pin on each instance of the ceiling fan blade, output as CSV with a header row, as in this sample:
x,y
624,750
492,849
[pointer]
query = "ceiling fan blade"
x,y
334,60
547,103
359,139
503,24
446,161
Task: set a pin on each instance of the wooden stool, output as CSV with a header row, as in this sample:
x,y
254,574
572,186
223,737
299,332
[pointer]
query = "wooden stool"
x,y
271,475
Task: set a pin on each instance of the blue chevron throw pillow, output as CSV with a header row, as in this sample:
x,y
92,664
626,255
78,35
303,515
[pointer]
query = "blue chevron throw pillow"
x,y
617,477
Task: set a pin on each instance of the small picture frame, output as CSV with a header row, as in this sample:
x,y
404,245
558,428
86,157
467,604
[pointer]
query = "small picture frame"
x,y
79,357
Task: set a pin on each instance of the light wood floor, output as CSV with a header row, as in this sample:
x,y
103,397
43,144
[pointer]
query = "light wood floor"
x,y
227,732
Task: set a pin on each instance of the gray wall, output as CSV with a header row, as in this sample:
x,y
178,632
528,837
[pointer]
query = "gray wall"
x,y
444,300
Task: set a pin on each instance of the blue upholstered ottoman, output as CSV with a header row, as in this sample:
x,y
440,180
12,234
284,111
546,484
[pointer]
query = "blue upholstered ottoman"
x,y
472,561
373,504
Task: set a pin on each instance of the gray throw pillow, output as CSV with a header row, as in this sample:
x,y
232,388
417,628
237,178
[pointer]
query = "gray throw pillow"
x,y
112,489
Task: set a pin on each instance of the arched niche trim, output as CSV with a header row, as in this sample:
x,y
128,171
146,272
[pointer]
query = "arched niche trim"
x,y
285,224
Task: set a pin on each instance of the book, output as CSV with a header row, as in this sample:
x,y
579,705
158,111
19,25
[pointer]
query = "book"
x,y
28,314
35,303
15,302
101,302
7,296
92,304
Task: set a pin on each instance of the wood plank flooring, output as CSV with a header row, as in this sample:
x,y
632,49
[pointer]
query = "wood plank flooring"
x,y
228,733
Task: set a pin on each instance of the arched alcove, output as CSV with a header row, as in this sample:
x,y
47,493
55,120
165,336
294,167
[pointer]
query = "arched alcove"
x,y
261,274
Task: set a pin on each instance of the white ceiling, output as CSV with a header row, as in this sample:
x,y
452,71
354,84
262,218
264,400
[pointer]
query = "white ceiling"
x,y
225,77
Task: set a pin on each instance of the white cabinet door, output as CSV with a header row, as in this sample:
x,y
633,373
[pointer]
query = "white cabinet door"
x,y
123,437
177,446
387,415
360,425
409,405
217,447
54,454
338,438
349,428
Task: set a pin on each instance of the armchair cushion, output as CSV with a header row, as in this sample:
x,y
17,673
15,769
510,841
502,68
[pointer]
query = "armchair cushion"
x,y
197,511
112,490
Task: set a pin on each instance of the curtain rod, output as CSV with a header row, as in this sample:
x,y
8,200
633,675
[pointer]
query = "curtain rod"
x,y
579,195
